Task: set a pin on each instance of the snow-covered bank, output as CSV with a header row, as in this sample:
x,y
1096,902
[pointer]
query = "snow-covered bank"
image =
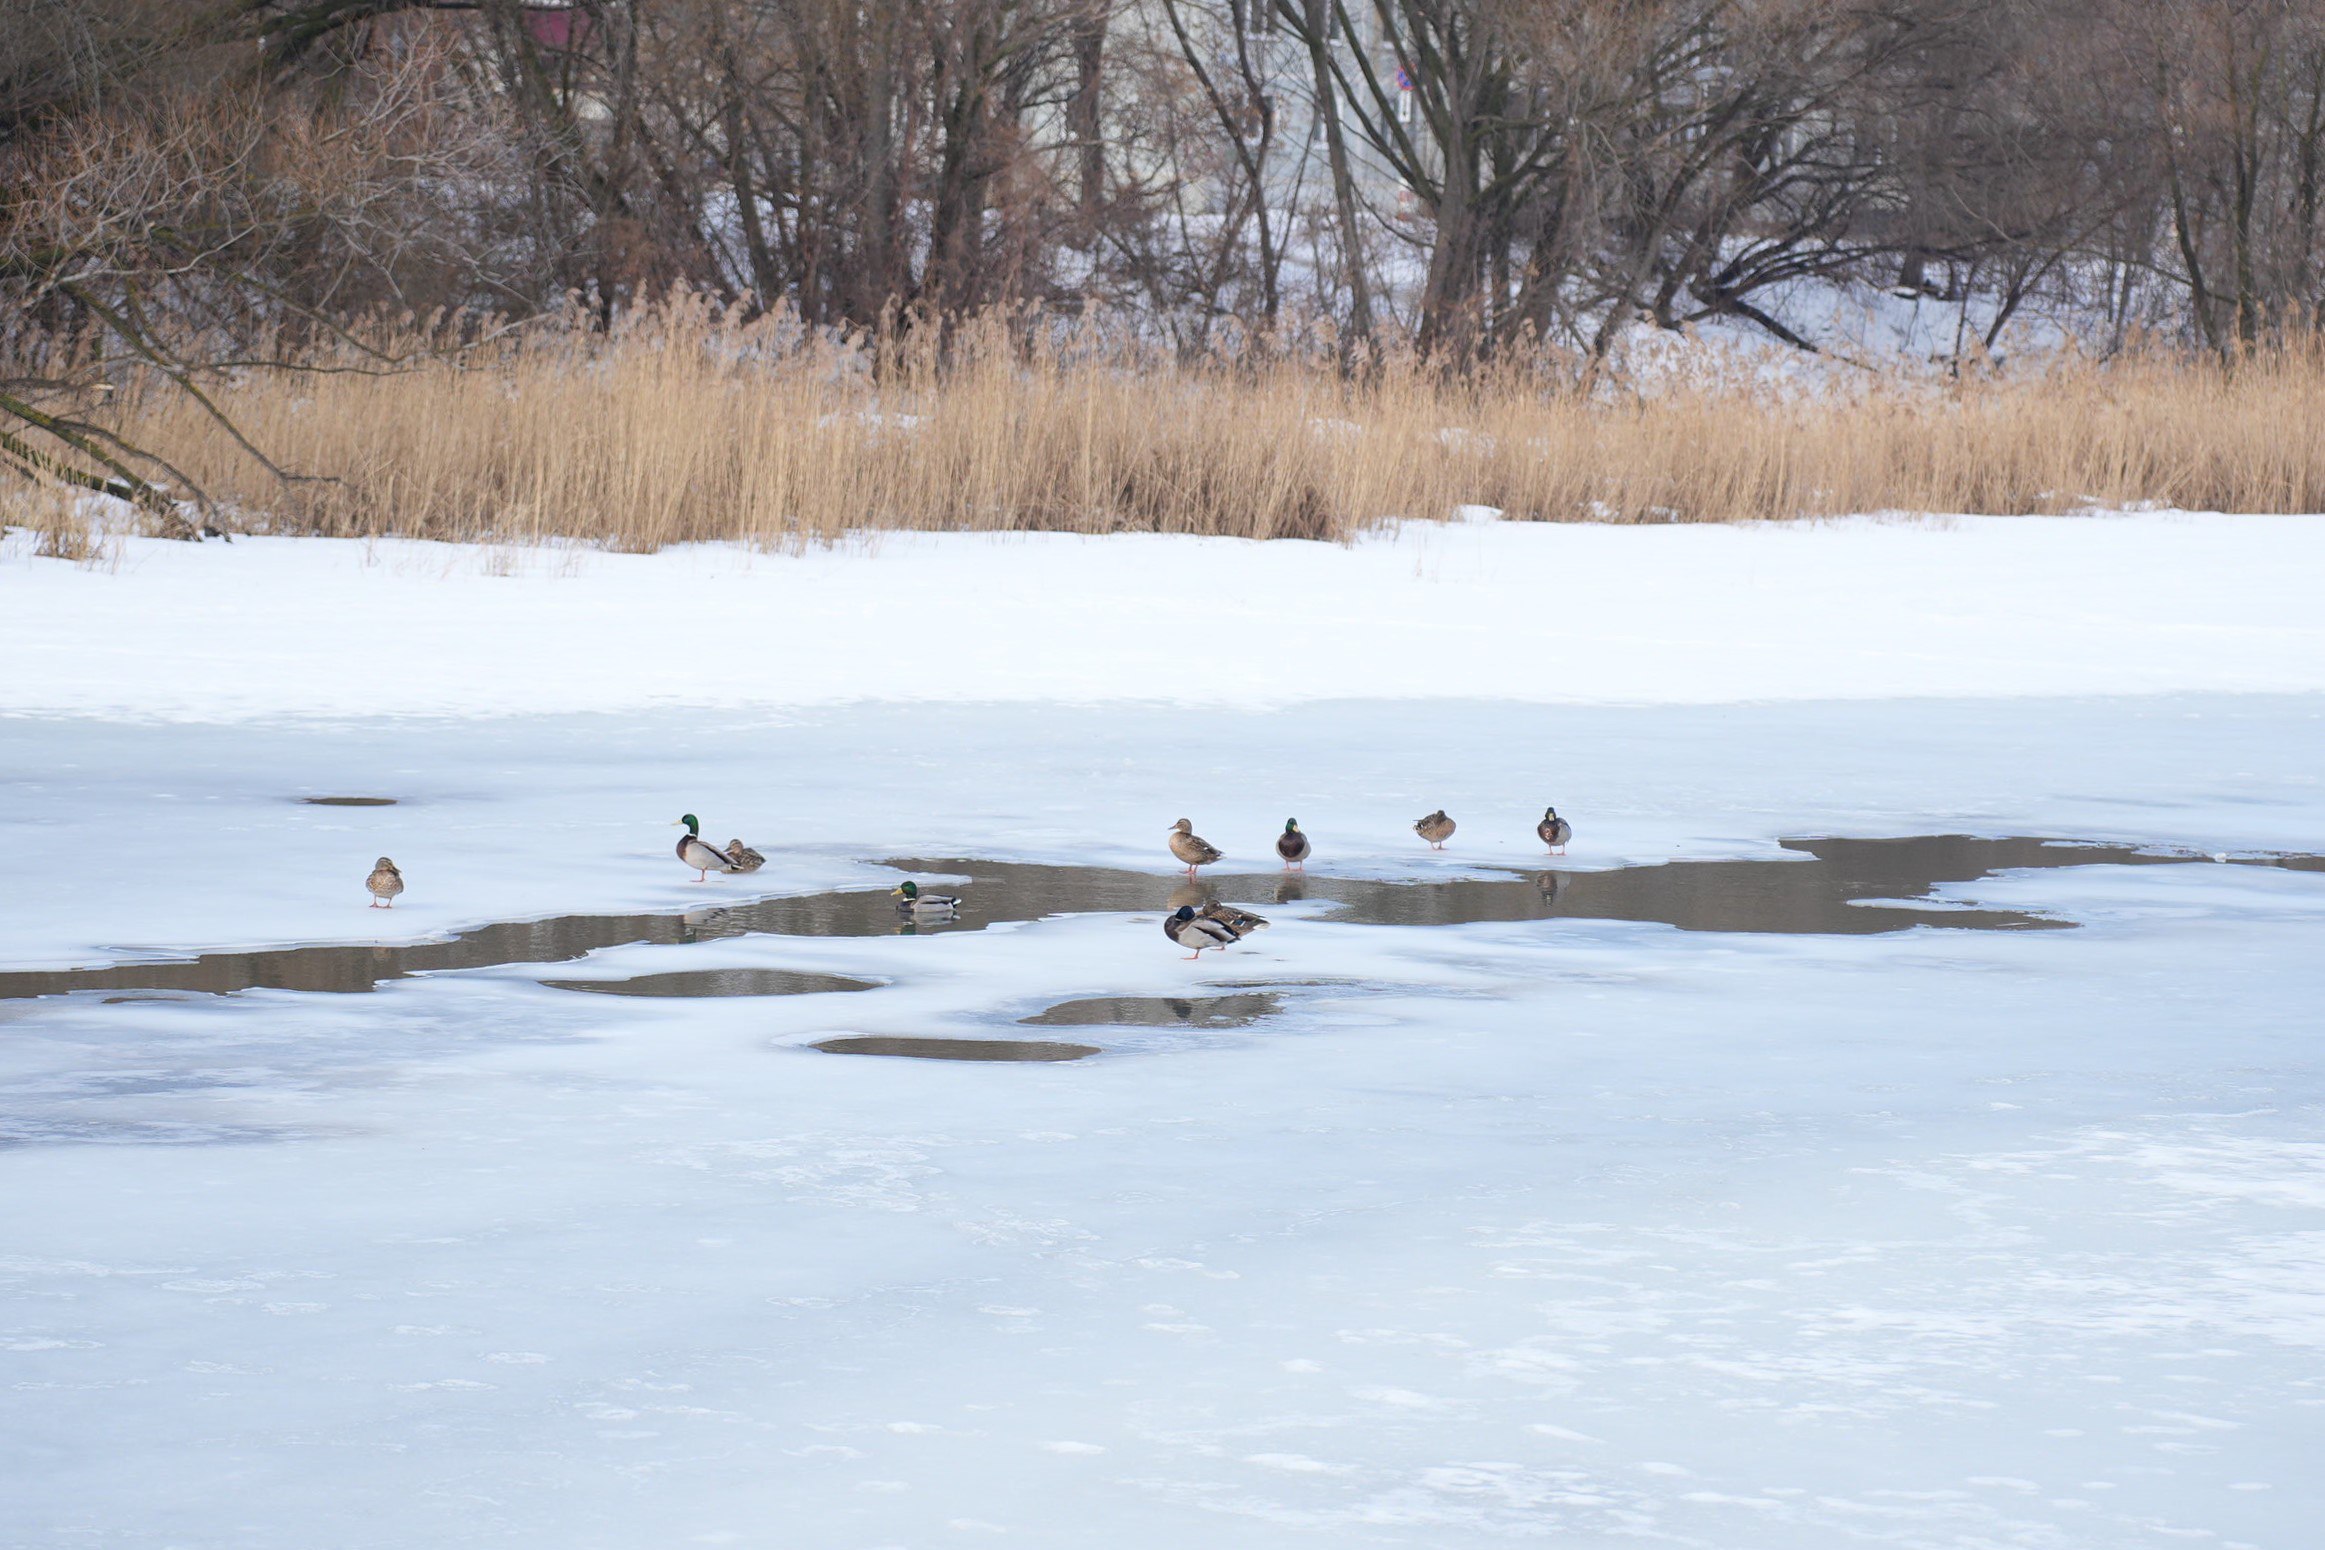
x,y
1575,614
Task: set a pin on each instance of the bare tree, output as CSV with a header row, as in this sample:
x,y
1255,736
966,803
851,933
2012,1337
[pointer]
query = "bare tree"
x,y
168,215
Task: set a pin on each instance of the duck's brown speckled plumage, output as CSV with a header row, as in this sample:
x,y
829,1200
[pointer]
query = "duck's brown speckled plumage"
x,y
385,883
1436,829
743,858
1241,922
1190,847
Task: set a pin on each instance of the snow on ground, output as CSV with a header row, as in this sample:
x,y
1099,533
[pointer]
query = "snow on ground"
x,y
1586,1231
1534,613
1903,335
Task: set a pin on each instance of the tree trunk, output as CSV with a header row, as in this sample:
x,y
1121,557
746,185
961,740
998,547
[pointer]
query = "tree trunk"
x,y
1084,120
1314,28
1449,297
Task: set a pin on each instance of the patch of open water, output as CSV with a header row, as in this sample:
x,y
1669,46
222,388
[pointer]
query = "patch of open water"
x,y
719,982
1842,886
1239,1011
1007,1050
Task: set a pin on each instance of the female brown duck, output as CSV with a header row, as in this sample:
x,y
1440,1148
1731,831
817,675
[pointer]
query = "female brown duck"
x,y
1191,847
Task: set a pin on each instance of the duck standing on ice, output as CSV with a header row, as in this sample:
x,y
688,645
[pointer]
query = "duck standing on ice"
x,y
1242,922
1191,847
1292,845
1196,932
700,853
385,883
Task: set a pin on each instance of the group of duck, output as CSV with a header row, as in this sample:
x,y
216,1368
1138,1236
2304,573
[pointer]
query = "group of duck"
x,y
1292,845
1218,925
911,899
1212,925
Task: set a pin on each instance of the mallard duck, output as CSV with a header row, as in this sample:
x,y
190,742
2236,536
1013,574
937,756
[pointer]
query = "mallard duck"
x,y
1436,829
699,853
1555,831
911,901
1190,847
385,883
1196,932
1241,922
1292,845
743,858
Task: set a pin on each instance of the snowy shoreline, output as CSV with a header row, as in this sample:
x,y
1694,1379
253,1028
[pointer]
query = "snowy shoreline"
x,y
1862,608
1585,1228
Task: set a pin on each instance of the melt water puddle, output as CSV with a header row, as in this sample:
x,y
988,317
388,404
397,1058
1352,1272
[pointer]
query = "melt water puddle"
x,y
349,801
1159,1012
1849,887
956,1049
719,982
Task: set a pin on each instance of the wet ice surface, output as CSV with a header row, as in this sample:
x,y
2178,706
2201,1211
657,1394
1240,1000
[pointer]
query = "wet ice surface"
x,y
718,982
1537,1225
1230,1011
1009,1050
1849,886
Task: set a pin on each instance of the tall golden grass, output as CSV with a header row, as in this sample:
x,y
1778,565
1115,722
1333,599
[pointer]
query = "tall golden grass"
x,y
684,426
54,522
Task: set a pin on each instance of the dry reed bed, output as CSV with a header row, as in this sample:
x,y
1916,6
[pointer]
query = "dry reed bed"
x,y
682,429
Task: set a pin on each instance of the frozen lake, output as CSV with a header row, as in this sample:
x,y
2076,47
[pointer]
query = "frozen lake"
x,y
1521,1212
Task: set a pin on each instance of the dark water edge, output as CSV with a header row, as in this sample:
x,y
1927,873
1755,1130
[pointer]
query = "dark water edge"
x,y
1851,887
719,982
1238,1011
1019,1051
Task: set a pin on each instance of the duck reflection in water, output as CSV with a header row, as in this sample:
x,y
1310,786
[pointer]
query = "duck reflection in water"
x,y
1192,895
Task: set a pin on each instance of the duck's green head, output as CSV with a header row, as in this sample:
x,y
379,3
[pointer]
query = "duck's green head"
x,y
908,893
693,825
1291,825
1549,813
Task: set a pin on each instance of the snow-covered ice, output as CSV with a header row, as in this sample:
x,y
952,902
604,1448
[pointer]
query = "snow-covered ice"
x,y
1584,1231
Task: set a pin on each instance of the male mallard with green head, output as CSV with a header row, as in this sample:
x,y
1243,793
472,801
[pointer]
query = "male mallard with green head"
x,y
1555,831
910,900
1191,847
699,853
743,858
1436,829
1196,932
1292,845
385,883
